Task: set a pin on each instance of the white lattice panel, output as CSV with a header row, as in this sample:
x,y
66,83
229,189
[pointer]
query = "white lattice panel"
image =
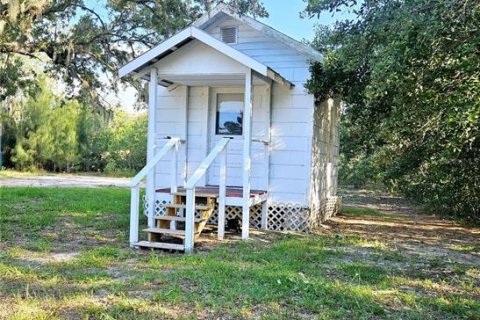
x,y
287,216
236,213
281,216
159,209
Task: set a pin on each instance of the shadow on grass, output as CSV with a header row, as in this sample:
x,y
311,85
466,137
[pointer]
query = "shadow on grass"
x,y
287,277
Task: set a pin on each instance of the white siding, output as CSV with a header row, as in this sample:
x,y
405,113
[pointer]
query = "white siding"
x,y
278,56
291,137
170,121
197,58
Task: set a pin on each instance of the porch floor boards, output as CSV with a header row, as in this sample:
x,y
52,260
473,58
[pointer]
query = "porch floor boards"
x,y
213,192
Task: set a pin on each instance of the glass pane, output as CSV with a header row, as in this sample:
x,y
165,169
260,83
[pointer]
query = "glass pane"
x,y
229,114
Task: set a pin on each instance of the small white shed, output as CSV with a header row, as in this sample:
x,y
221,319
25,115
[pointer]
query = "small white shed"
x,y
232,132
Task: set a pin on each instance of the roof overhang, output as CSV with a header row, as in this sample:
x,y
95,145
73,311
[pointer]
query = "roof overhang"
x,y
140,66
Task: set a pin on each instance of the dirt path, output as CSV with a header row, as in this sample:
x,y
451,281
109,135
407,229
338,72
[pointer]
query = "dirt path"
x,y
63,181
379,216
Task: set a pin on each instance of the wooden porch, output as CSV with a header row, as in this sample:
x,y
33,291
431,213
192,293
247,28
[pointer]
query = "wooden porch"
x,y
233,195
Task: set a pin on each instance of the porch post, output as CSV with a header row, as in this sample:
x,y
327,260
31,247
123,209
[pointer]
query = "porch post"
x,y
152,105
247,141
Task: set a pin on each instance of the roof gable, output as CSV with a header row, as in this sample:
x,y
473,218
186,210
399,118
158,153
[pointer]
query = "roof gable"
x,y
169,46
172,44
275,51
219,13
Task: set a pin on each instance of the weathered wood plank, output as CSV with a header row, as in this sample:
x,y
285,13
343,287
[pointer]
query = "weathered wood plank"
x,y
166,231
160,245
182,206
180,219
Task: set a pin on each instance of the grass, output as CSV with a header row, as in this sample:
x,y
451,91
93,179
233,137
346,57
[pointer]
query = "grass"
x,y
64,254
9,173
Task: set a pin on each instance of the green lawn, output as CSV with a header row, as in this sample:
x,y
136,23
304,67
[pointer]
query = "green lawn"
x,y
64,254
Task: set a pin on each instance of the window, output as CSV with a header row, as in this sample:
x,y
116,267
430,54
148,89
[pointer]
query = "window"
x,y
229,118
229,35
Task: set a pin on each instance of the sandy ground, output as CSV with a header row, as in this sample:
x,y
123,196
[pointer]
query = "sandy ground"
x,y
64,181
404,226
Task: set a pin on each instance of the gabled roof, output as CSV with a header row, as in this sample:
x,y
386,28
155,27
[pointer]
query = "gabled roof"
x,y
210,18
192,33
139,66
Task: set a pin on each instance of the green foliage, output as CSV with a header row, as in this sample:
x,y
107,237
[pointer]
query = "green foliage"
x,y
127,147
52,133
84,43
408,72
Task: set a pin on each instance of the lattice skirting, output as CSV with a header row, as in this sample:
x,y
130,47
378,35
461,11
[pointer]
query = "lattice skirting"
x,y
280,217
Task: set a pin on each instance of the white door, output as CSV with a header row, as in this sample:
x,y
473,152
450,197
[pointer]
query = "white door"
x,y
226,120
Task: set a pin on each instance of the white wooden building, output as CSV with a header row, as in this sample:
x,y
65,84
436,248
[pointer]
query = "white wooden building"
x,y
233,132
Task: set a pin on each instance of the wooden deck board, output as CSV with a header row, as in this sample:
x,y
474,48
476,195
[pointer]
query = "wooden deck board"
x,y
182,206
175,218
166,231
161,245
213,192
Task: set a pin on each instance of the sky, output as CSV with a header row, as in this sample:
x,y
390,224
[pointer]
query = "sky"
x,y
284,16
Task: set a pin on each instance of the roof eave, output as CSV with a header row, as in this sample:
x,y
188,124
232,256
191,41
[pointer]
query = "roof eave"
x,y
170,45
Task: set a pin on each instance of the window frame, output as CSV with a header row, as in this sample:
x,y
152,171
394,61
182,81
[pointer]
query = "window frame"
x,y
216,114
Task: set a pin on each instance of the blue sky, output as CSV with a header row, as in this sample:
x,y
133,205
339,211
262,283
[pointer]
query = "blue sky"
x,y
284,16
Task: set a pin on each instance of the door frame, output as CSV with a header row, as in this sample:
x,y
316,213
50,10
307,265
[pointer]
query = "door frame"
x,y
262,97
211,126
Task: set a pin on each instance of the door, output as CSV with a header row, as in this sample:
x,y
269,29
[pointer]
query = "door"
x,y
226,115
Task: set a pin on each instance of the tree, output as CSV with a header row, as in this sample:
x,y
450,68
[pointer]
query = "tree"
x,y
63,123
408,72
85,42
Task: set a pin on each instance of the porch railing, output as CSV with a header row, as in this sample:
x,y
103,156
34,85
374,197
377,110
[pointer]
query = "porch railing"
x,y
173,143
219,149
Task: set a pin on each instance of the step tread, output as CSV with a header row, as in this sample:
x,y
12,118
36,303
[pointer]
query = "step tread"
x,y
183,206
167,231
175,218
161,245
197,194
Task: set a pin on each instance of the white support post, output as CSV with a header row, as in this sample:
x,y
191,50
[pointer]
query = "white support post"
x,y
184,153
173,169
264,215
134,203
222,194
190,221
247,141
152,106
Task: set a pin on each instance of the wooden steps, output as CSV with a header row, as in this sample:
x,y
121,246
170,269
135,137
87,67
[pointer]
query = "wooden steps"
x,y
175,218
197,194
183,206
161,245
172,224
167,231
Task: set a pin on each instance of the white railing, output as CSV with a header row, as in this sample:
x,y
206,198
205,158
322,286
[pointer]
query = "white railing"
x,y
173,143
219,149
